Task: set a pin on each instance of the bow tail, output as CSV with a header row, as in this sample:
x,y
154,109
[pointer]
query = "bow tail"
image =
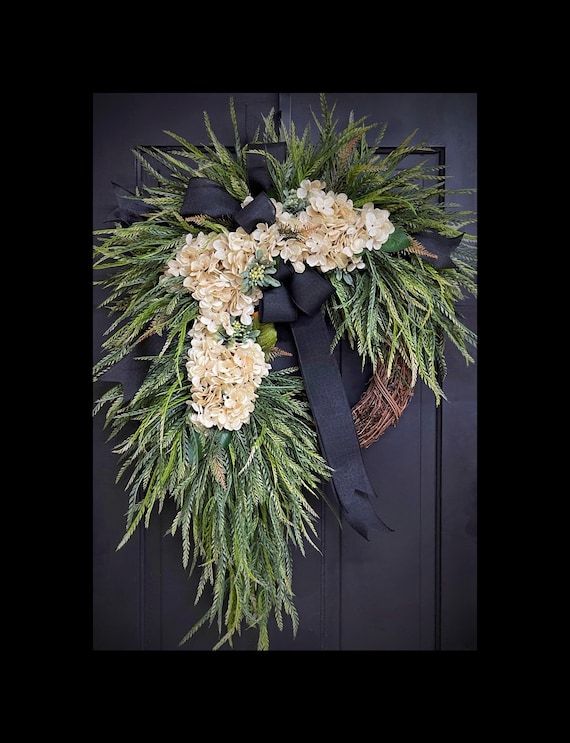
x,y
333,417
357,505
129,372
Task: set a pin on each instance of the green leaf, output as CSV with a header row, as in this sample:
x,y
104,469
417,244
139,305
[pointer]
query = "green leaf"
x,y
193,446
398,240
270,281
224,439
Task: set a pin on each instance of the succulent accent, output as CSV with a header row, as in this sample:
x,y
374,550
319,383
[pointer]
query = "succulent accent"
x,y
258,272
240,333
292,203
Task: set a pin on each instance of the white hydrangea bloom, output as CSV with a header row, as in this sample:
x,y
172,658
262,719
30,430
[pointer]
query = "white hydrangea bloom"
x,y
331,233
269,239
224,380
308,188
212,266
378,225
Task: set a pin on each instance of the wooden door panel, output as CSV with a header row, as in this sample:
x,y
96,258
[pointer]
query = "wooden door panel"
x,y
459,500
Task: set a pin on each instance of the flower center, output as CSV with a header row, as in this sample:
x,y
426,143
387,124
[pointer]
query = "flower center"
x,y
257,273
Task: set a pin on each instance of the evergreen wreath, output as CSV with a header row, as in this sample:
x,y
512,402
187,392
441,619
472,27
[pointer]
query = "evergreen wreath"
x,y
232,442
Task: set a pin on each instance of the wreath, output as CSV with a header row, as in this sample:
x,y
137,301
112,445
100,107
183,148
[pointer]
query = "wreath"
x,y
225,249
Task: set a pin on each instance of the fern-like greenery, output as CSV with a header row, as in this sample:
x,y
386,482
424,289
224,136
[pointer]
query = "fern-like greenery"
x,y
404,307
241,497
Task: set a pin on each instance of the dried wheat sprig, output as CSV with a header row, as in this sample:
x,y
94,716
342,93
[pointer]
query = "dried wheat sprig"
x,y
347,150
417,248
218,471
295,228
198,219
275,352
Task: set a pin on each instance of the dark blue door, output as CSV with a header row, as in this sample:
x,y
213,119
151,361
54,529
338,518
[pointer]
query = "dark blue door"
x,y
414,589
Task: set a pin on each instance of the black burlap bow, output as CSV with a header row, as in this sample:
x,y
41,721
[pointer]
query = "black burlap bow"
x,y
204,196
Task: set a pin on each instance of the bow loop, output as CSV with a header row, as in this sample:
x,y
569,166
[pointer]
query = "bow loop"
x,y
310,290
261,209
130,208
284,272
276,304
306,291
443,247
204,196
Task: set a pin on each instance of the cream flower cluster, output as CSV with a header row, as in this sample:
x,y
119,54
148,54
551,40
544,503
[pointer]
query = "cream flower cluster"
x,y
224,379
212,265
331,232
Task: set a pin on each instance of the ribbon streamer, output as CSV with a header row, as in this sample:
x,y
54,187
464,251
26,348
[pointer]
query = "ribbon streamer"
x,y
298,301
